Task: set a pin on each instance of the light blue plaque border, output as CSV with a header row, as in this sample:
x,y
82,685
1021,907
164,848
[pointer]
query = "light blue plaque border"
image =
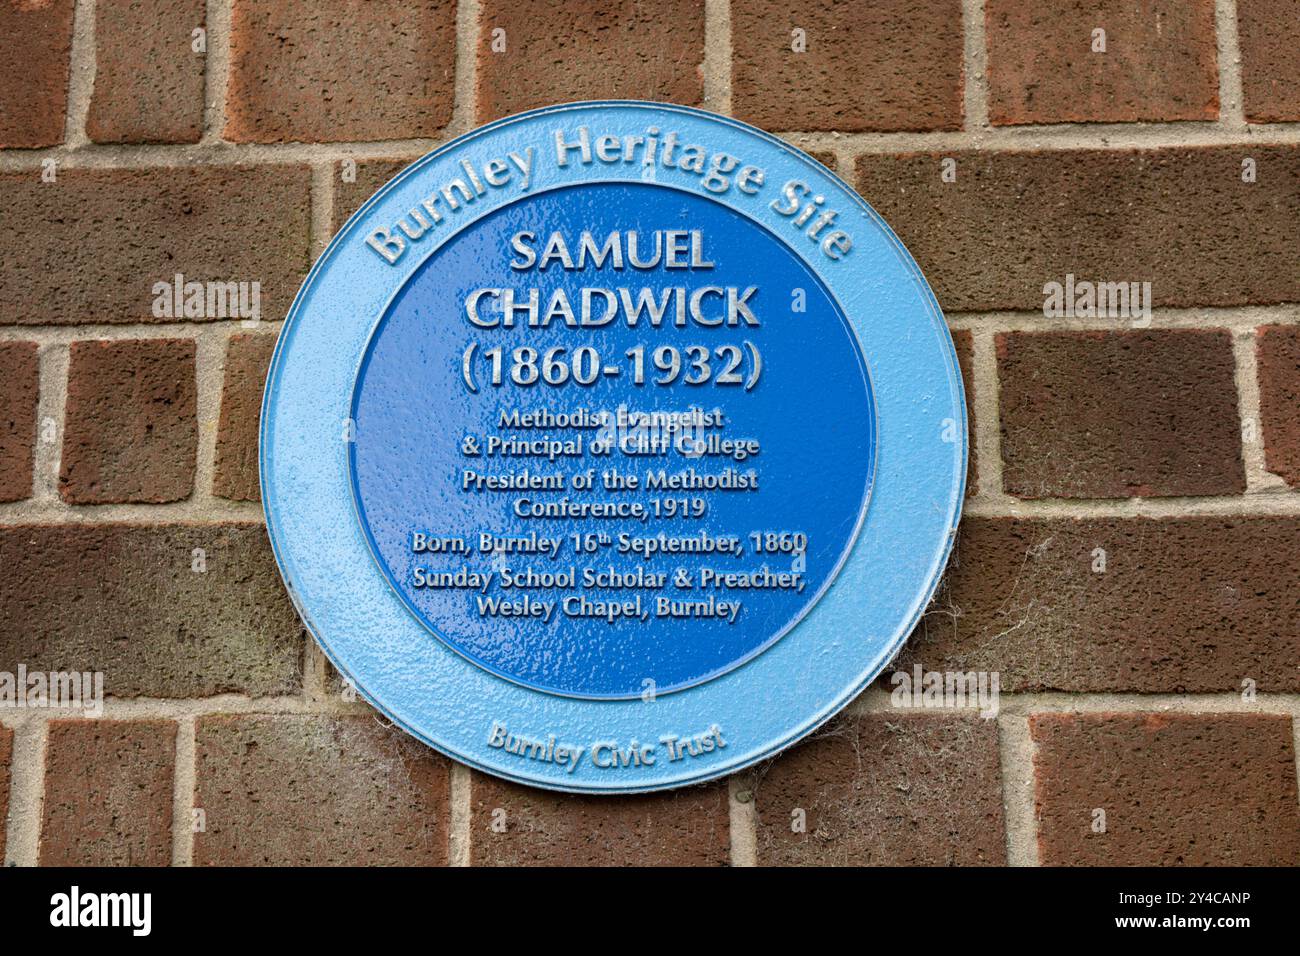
x,y
774,699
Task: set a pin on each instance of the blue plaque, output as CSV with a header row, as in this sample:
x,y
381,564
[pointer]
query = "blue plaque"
x,y
613,447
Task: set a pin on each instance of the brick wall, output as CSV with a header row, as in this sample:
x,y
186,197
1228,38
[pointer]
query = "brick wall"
x,y
1160,686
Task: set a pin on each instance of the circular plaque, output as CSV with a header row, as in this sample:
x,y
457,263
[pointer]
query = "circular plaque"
x,y
613,447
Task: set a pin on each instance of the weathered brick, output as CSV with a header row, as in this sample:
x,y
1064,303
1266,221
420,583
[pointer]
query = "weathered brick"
x,y
1278,354
557,51
247,360
1191,604
826,158
336,685
108,793
962,339
295,790
369,176
1013,221
338,70
35,47
130,433
1119,414
19,388
6,755
162,611
885,789
887,65
1159,61
1269,35
1177,789
688,827
148,79
94,244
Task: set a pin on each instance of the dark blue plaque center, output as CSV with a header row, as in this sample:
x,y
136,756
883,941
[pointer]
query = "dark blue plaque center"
x,y
612,440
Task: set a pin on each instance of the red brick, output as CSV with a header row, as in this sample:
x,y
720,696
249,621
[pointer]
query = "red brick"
x,y
6,755
1119,414
19,388
93,245
1192,604
826,158
1159,62
886,65
148,79
689,827
321,791
1013,221
35,47
368,175
558,51
1177,789
338,70
126,600
885,789
130,433
108,793
962,339
1278,354
1269,35
247,360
